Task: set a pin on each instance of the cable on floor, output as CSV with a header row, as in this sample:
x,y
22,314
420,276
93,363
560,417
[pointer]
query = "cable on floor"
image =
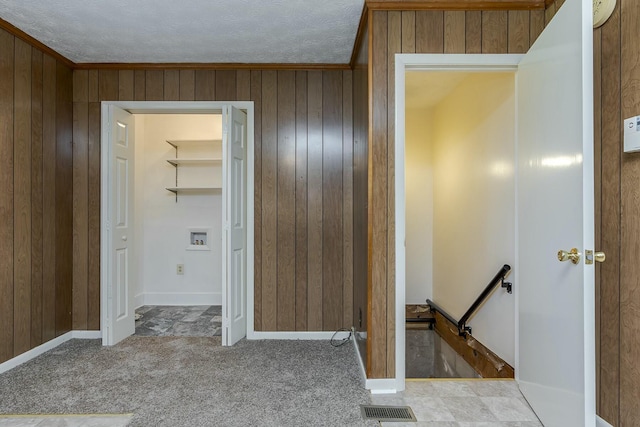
x,y
343,341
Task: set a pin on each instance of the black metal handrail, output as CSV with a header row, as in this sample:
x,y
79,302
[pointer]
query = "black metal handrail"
x,y
436,307
463,329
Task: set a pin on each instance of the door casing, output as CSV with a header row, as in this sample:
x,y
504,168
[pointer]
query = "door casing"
x,y
172,107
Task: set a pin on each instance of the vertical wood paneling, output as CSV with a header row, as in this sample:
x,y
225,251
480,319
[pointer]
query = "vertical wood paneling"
x,y
139,85
22,199
332,249
187,85
225,85
361,191
93,221
408,30
495,31
347,198
609,393
454,31
80,214
549,13
35,247
301,201
64,196
49,195
536,25
81,86
36,198
172,85
269,199
518,31
126,85
306,119
205,85
314,201
94,85
108,85
377,334
473,31
286,201
256,97
154,85
630,226
243,85
6,196
429,31
302,136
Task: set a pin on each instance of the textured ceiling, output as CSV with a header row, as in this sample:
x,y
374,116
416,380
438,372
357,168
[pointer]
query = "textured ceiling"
x,y
220,31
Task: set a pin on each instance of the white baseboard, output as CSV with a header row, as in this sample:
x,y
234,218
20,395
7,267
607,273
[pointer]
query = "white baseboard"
x,y
258,335
180,298
381,385
49,345
360,362
375,386
86,335
601,423
138,300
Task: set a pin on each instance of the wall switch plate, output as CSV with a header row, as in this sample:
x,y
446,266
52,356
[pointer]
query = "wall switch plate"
x,y
632,134
180,269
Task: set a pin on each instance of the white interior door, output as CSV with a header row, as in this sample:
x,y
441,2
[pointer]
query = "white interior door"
x,y
234,195
120,301
556,352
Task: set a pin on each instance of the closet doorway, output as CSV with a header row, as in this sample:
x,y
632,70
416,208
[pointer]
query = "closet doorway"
x,y
155,155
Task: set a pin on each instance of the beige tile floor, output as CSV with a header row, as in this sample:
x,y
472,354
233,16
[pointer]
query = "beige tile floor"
x,y
462,403
64,420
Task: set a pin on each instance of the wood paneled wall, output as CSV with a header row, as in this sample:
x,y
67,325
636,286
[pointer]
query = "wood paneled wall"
x,y
35,201
617,96
416,32
303,185
361,190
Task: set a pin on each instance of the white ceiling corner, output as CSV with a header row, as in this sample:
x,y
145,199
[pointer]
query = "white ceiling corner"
x,y
191,31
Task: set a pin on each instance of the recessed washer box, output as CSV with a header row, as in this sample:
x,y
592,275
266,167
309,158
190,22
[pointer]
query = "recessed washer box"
x,y
199,239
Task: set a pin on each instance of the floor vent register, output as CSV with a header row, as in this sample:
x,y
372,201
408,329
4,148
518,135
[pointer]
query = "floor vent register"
x,y
387,413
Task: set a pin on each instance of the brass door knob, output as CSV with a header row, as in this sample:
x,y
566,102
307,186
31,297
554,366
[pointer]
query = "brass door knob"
x,y
573,255
591,256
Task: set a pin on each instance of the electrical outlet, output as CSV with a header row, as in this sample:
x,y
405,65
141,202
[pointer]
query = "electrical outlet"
x,y
180,269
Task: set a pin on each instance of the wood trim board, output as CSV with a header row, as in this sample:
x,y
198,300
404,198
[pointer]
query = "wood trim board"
x,y
456,5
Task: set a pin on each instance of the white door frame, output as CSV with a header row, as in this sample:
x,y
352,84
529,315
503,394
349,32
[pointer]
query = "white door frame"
x,y
427,62
172,107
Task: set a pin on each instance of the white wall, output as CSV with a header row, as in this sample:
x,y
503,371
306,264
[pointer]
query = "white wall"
x,y
419,205
162,224
474,204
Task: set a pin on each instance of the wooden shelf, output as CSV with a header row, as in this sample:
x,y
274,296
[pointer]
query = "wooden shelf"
x,y
192,189
176,162
178,142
